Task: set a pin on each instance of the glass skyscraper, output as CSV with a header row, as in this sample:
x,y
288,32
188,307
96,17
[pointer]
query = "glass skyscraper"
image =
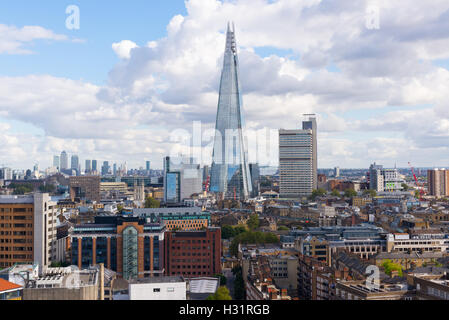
x,y
230,174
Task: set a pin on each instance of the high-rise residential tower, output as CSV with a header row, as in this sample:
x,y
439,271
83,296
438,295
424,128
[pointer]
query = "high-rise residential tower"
x,y
438,182
88,168
64,161
56,162
298,161
94,166
75,163
230,174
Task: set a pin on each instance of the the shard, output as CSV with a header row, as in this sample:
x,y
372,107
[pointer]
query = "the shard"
x,y
230,175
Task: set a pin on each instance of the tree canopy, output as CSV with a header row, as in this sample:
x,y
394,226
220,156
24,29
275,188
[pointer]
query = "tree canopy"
x,y
253,222
318,193
335,193
252,238
371,193
152,203
350,193
228,232
390,266
221,294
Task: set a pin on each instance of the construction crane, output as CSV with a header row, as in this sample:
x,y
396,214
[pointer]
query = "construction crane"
x,y
207,184
421,189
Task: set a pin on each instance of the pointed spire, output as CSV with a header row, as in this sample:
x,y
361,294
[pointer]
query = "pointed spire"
x,y
231,44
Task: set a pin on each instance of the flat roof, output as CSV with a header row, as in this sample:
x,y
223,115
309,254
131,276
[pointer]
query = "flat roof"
x,y
166,279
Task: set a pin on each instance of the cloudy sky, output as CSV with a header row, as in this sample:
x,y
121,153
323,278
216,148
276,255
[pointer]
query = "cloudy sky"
x,y
375,72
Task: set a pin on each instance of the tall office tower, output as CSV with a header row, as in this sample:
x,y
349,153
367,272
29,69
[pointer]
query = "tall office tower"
x,y
376,179
182,178
6,174
148,163
105,168
88,166
298,161
30,235
114,169
94,166
230,171
255,178
311,125
75,163
337,172
64,161
56,162
438,182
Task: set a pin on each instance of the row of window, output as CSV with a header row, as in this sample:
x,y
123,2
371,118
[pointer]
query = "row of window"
x,y
190,267
16,233
16,225
190,248
188,254
191,273
6,210
16,217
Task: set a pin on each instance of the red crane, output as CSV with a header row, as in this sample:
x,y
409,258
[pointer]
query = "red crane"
x,y
207,184
421,189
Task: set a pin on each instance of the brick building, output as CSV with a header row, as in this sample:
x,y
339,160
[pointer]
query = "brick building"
x,y
85,188
193,253
27,230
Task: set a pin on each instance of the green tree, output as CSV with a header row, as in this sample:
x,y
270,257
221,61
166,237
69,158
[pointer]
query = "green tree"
x,y
221,294
350,193
389,267
228,232
417,194
222,278
405,187
335,193
49,188
253,222
253,238
371,193
152,203
283,228
318,193
239,284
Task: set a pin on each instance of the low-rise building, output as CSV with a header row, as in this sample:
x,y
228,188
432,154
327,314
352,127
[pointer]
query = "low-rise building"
x,y
430,286
158,288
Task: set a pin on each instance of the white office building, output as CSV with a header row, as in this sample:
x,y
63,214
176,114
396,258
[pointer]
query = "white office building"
x,y
298,161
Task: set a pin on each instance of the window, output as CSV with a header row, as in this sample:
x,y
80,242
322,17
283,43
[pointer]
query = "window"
x,y
170,289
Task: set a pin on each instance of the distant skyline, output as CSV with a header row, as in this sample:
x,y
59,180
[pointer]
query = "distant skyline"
x,y
138,70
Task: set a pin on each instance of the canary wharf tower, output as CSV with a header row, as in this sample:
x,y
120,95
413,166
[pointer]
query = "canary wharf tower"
x,y
230,175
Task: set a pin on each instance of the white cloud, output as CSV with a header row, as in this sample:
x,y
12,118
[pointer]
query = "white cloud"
x,y
170,82
13,40
123,48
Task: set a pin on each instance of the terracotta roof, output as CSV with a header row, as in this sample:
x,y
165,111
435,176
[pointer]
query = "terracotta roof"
x,y
6,285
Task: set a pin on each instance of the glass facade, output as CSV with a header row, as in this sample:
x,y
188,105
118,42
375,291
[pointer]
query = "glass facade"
x,y
86,253
130,253
156,253
114,254
172,187
75,251
230,172
102,250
